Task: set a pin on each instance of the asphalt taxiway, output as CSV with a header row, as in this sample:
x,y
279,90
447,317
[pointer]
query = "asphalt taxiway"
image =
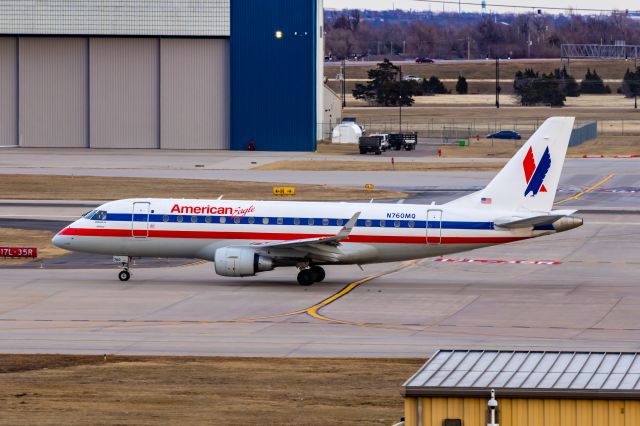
x,y
574,290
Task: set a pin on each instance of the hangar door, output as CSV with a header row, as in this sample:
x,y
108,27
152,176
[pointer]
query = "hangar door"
x,y
124,76
52,86
8,91
194,93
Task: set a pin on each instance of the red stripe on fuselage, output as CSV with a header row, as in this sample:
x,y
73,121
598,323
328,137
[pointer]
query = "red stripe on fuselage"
x,y
279,236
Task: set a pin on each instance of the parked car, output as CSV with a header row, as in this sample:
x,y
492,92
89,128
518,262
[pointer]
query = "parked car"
x,y
410,77
504,134
423,60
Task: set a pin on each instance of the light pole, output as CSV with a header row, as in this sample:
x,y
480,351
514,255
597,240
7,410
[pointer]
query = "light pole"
x,y
344,96
637,84
497,82
400,99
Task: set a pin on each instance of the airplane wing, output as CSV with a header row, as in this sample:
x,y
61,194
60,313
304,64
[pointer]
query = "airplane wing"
x,y
333,240
529,221
321,248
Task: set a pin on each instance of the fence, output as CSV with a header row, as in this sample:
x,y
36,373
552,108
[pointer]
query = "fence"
x,y
584,133
451,130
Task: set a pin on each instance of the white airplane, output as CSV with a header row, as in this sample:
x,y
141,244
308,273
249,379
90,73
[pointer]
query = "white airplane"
x,y
247,237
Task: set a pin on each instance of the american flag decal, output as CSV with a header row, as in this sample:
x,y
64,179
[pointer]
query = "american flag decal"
x,y
485,200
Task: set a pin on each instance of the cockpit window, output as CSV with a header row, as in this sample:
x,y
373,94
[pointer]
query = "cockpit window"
x,y
89,214
99,215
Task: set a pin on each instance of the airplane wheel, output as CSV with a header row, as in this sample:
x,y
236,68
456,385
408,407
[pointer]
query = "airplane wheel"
x,y
306,277
124,275
318,273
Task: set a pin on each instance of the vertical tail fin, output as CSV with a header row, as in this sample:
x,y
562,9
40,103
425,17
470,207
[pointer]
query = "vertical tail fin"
x,y
528,182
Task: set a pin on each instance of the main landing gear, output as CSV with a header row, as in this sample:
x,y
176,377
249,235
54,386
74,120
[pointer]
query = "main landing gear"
x,y
311,275
123,275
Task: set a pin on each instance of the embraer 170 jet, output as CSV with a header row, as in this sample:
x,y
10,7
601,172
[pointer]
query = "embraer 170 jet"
x,y
243,238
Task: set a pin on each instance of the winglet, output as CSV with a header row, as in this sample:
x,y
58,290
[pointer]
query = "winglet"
x,y
346,229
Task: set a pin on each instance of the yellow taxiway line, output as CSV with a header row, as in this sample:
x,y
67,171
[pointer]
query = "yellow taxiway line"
x,y
586,190
314,310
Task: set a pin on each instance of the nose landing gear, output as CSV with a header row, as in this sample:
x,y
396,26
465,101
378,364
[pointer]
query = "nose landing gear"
x,y
123,275
311,275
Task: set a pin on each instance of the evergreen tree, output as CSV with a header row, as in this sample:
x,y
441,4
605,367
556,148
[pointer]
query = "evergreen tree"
x,y
592,83
433,86
461,86
383,87
631,83
568,84
535,89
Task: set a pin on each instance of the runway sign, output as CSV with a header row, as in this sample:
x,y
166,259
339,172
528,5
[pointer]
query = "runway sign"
x,y
14,252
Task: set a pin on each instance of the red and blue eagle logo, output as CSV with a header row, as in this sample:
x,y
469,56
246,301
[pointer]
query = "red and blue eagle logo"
x,y
535,174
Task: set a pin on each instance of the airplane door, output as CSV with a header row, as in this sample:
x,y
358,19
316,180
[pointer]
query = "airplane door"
x,y
434,226
140,220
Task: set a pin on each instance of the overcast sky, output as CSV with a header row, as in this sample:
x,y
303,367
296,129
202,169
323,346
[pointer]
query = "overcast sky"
x,y
437,7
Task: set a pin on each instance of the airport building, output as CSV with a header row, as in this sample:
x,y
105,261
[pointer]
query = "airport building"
x,y
532,388
204,74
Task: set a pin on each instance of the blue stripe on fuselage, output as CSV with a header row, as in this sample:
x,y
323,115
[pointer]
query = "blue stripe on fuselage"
x,y
302,221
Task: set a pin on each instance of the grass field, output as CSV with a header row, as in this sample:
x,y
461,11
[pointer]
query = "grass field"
x,y
607,69
80,390
28,238
51,187
607,146
401,166
463,112
479,104
475,87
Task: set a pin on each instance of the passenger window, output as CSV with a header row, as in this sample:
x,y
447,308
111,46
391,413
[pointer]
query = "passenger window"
x,y
223,219
396,224
265,220
310,221
179,219
165,218
194,219
296,221
325,222
280,221
411,224
383,223
339,222
251,220
236,220
367,222
207,219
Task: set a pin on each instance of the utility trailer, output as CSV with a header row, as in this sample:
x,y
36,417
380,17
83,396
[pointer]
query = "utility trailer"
x,y
369,144
406,141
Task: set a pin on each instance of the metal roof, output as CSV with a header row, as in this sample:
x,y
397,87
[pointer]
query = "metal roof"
x,y
529,373
184,18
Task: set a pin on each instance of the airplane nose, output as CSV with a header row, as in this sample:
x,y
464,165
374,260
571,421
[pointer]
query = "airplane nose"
x,y
57,240
61,241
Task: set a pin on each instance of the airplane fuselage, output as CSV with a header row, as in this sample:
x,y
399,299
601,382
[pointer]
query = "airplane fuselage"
x,y
197,228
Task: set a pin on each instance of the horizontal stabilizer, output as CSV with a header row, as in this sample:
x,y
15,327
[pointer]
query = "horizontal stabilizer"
x,y
513,222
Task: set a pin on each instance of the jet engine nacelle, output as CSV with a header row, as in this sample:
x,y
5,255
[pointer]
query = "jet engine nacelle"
x,y
240,262
566,223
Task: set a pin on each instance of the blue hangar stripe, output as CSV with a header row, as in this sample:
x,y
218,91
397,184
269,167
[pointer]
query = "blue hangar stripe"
x,y
302,221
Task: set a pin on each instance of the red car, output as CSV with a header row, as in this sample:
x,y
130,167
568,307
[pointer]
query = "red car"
x,y
423,60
